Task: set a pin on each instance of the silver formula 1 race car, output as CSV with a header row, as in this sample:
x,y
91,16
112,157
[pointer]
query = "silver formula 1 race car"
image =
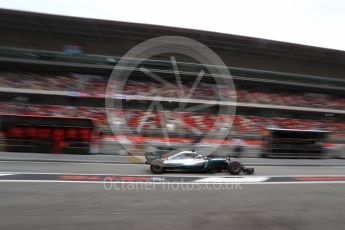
x,y
193,162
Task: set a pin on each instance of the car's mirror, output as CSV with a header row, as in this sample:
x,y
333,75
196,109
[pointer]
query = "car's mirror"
x,y
198,157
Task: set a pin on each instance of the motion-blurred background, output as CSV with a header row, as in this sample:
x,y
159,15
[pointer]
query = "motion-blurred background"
x,y
54,72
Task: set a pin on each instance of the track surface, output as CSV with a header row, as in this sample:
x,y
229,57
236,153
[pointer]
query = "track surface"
x,y
140,169
37,205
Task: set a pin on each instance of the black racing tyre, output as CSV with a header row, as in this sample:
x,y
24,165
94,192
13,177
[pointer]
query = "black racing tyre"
x,y
235,167
157,169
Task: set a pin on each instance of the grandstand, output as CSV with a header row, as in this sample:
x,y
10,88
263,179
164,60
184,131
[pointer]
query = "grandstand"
x,y
58,66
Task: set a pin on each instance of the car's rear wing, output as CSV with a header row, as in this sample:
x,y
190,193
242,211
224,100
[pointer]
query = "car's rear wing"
x,y
151,156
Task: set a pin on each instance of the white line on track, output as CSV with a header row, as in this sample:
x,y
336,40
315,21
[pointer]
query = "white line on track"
x,y
5,174
172,183
231,179
172,175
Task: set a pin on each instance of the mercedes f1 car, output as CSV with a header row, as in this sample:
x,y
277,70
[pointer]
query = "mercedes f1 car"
x,y
191,161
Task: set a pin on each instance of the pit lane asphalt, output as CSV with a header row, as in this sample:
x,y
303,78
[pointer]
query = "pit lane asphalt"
x,y
141,169
64,206
90,206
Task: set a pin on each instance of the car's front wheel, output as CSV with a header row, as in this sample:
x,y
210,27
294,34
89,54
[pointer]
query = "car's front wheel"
x,y
157,169
234,167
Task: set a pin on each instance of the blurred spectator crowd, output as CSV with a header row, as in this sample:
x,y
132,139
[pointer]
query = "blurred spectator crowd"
x,y
93,85
172,121
83,83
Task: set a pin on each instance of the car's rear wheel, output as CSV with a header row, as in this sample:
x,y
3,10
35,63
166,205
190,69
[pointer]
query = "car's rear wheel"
x,y
234,167
157,169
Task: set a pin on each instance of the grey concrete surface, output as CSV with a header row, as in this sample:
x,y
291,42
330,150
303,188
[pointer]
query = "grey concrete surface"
x,y
90,206
56,206
140,169
116,159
